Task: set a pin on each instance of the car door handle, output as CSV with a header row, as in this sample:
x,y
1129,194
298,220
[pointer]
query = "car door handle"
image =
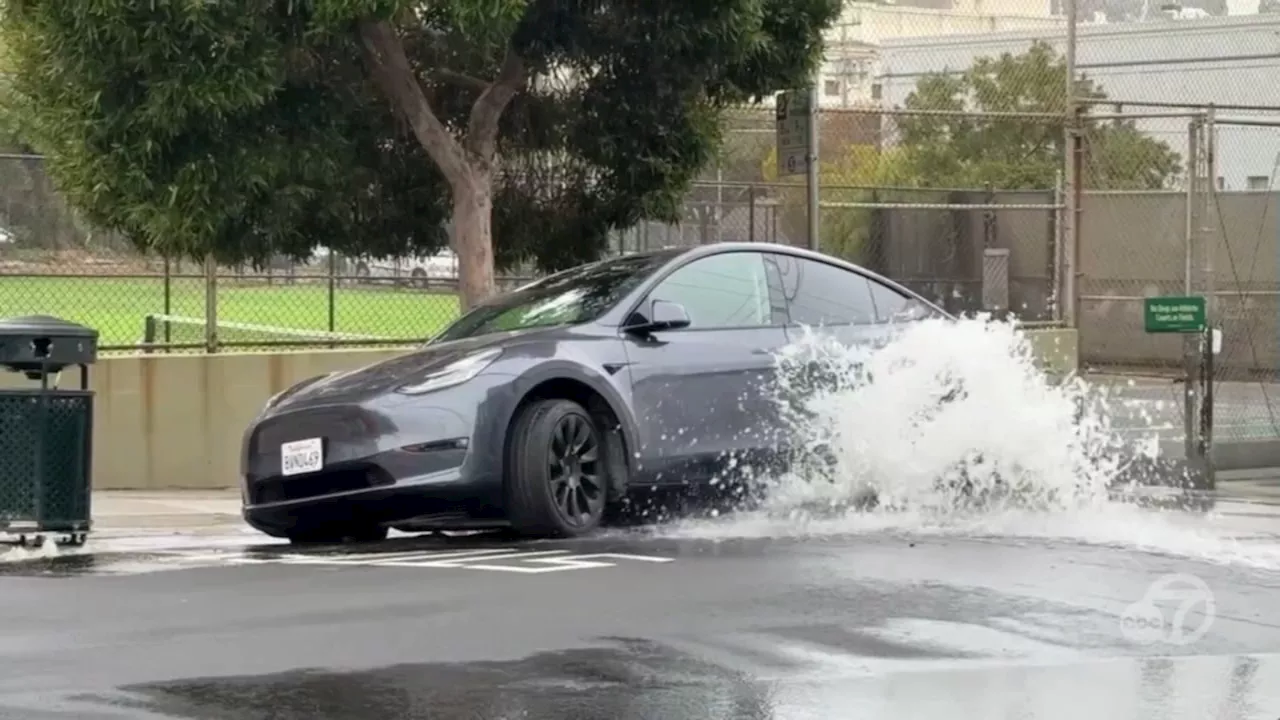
x,y
762,351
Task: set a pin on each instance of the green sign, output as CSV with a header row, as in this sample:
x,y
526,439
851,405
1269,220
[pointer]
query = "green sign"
x,y
1174,314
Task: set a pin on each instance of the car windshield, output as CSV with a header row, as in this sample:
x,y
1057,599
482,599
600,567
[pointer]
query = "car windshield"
x,y
570,297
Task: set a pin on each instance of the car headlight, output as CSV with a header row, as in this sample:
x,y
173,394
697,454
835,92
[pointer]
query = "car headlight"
x,y
455,373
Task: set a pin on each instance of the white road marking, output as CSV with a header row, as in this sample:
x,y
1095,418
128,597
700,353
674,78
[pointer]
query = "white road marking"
x,y
461,560
508,560
384,558
577,562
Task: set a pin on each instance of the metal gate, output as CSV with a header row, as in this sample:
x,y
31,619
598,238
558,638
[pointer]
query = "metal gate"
x,y
1142,208
1237,269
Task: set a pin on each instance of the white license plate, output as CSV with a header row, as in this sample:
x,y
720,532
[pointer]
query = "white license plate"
x,y
301,456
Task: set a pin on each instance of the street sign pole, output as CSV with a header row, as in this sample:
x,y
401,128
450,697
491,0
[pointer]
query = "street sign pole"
x,y
1188,315
796,114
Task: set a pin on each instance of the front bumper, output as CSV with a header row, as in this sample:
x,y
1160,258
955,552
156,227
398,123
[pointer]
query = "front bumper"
x,y
399,460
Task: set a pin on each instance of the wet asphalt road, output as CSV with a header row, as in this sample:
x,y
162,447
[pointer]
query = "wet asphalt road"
x,y
878,625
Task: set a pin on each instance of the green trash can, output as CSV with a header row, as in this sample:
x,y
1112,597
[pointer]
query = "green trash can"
x,y
46,433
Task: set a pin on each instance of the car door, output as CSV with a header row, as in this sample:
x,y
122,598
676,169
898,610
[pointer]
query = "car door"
x,y
702,394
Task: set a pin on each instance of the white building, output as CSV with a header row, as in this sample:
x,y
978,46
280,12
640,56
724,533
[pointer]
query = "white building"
x,y
1221,60
849,67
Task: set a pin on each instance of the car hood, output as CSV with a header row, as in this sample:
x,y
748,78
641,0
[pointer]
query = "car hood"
x,y
385,376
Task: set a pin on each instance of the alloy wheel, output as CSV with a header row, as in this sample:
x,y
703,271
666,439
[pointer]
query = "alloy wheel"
x,y
577,488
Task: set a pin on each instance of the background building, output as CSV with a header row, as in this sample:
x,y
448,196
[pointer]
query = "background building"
x,y
848,75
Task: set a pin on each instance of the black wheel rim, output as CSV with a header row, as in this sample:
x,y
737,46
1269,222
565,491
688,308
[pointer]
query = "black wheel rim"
x,y
577,489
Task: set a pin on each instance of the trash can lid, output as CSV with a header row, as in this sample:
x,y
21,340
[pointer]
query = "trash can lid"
x,y
44,325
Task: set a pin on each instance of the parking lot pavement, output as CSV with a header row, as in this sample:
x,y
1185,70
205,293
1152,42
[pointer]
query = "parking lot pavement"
x,y
636,625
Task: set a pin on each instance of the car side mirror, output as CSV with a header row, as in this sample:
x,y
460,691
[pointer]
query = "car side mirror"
x,y
662,315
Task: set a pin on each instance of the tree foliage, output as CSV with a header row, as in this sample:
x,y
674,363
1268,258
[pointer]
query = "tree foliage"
x,y
1018,153
958,148
249,128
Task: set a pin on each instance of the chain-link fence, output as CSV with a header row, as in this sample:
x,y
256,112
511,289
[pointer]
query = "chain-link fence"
x,y
895,198
52,263
1183,203
1135,241
1137,200
906,198
1240,274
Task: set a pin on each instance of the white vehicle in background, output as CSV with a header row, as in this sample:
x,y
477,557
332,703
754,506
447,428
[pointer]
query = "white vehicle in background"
x,y
423,271
419,270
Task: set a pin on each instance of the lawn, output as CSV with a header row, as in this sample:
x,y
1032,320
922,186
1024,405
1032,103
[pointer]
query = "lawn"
x,y
117,307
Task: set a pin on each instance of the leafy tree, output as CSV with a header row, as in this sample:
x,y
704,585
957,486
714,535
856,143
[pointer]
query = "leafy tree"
x,y
970,151
510,129
1018,152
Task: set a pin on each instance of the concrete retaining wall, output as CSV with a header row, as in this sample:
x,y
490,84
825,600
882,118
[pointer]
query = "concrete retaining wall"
x,y
176,421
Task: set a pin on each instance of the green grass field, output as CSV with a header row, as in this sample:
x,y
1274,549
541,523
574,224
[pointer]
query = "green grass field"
x,y
117,308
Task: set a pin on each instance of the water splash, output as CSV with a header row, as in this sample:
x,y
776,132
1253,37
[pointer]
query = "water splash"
x,y
951,428
949,417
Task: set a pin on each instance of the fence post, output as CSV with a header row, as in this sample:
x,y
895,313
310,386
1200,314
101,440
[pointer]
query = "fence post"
x,y
210,303
149,333
333,290
1210,219
1070,249
1054,265
168,298
1073,191
1190,344
1210,216
811,169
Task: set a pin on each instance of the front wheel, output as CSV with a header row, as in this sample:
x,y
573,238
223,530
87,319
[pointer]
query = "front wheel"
x,y
556,477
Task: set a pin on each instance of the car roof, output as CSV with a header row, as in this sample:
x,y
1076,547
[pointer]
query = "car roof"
x,y
726,247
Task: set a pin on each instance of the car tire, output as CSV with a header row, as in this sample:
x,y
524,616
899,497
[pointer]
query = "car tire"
x,y
337,536
557,478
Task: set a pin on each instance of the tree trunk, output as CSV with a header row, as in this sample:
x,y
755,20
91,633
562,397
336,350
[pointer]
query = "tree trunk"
x,y
473,237
469,165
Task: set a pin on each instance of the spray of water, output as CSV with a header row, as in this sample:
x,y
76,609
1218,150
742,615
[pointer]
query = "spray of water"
x,y
947,418
952,428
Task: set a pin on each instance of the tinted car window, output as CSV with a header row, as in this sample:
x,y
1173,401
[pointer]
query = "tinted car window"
x,y
721,291
820,294
570,297
893,306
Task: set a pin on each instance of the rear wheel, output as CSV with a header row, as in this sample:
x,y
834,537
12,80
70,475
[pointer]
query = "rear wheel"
x,y
335,536
556,477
